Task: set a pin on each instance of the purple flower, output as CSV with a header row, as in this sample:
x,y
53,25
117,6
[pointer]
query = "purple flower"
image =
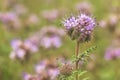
x,y
50,15
87,22
20,53
50,37
70,22
84,7
48,42
17,52
112,53
20,9
40,68
56,41
30,46
33,20
53,73
10,19
20,48
80,27
16,44
26,76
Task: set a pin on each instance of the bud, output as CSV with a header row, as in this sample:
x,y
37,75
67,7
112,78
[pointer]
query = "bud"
x,y
66,69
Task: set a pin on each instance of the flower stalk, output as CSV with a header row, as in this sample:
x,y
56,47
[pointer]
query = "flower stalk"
x,y
76,53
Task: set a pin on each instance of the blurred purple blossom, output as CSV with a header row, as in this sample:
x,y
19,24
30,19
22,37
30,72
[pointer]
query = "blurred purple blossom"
x,y
45,70
50,15
10,19
53,73
40,68
33,20
26,76
21,49
20,9
51,37
49,42
31,46
112,53
84,7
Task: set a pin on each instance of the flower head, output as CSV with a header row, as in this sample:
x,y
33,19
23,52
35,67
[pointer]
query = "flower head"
x,y
70,22
80,27
87,22
51,37
112,53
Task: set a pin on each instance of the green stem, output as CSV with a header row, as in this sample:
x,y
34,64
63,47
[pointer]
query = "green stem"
x,y
76,65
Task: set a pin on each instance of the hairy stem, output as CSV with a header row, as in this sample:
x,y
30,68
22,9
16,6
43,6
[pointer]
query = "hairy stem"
x,y
76,65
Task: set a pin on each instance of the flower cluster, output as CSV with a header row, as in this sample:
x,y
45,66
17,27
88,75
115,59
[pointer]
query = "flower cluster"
x,y
111,22
51,37
45,70
47,37
22,49
112,53
10,19
50,15
80,27
33,19
84,7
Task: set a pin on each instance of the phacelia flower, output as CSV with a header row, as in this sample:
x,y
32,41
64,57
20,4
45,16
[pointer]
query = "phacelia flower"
x,y
80,27
11,20
84,7
32,20
112,53
45,70
27,76
50,37
22,49
50,15
70,22
87,22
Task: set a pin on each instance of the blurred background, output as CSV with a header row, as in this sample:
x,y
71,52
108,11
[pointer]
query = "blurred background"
x,y
33,39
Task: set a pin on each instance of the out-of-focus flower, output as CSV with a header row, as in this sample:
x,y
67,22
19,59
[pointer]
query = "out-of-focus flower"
x,y
50,15
53,73
22,50
112,53
18,50
31,46
32,20
103,23
45,70
111,22
20,9
51,37
40,68
27,76
48,42
80,27
84,7
16,43
11,20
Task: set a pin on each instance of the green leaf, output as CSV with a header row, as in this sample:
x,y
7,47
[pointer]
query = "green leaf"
x,y
82,73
